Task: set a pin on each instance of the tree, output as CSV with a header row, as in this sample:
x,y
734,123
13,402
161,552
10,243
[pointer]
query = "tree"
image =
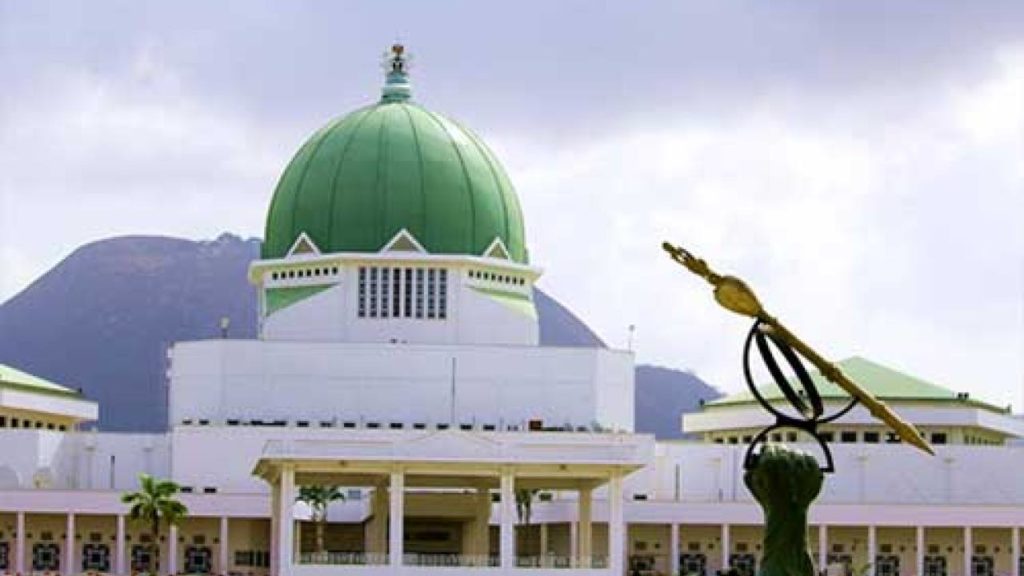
x,y
524,504
318,498
155,504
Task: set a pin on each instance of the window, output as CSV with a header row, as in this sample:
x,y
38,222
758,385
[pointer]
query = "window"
x,y
362,292
847,437
198,560
396,293
385,291
871,437
982,566
141,558
373,293
827,436
442,294
431,293
887,565
407,293
790,436
934,566
96,557
46,557
744,564
938,437
844,560
419,292
3,421
693,564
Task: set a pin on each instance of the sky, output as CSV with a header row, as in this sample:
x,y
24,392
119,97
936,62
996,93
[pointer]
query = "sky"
x,y
860,164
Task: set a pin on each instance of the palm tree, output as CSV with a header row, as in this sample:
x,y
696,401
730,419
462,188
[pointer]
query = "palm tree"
x,y
154,503
318,498
524,503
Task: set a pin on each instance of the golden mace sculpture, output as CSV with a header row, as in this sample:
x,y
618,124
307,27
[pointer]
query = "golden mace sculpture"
x,y
734,295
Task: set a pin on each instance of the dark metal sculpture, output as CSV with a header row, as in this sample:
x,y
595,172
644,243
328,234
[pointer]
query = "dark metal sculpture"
x,y
785,482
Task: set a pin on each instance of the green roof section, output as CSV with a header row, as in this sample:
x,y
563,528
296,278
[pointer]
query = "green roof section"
x,y
883,382
280,298
23,381
395,165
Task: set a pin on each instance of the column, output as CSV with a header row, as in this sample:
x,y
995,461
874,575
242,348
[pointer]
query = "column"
x,y
544,545
920,551
275,527
726,546
823,548
482,526
119,547
69,545
673,549
574,544
872,549
1015,551
968,550
225,546
396,518
586,533
19,552
507,549
616,526
286,520
172,550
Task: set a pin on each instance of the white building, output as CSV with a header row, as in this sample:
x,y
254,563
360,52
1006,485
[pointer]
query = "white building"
x,y
398,359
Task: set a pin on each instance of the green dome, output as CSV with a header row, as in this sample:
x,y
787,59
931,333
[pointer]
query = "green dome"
x,y
364,177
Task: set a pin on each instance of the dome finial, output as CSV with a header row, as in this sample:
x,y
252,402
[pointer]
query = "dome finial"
x,y
396,75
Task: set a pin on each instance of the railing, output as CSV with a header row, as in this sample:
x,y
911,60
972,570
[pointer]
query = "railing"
x,y
343,558
447,560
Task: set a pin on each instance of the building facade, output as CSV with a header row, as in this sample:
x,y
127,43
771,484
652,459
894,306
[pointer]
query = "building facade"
x,y
398,359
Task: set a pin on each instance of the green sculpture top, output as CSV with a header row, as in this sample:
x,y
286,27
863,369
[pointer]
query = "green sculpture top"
x,y
784,482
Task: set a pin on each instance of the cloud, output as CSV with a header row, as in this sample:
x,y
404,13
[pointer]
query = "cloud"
x,y
860,164
896,240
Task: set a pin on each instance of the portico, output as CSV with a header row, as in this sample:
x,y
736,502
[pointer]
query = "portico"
x,y
471,478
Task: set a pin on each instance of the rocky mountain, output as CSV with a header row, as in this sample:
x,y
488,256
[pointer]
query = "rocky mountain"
x,y
103,318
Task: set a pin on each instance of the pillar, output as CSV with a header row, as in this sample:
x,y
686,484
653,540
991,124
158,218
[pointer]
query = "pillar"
x,y
120,567
285,520
823,548
377,527
872,549
225,546
726,546
616,525
574,544
673,549
482,527
1015,551
968,550
172,550
396,518
69,546
920,553
507,549
275,527
19,545
544,545
586,532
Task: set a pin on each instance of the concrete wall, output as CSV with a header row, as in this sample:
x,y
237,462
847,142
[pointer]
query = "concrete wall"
x,y
218,380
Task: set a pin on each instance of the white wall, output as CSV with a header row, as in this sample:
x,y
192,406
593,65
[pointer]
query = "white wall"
x,y
219,380
473,316
868,473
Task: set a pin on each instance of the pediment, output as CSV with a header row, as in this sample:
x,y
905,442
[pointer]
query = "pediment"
x,y
403,241
303,245
497,250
